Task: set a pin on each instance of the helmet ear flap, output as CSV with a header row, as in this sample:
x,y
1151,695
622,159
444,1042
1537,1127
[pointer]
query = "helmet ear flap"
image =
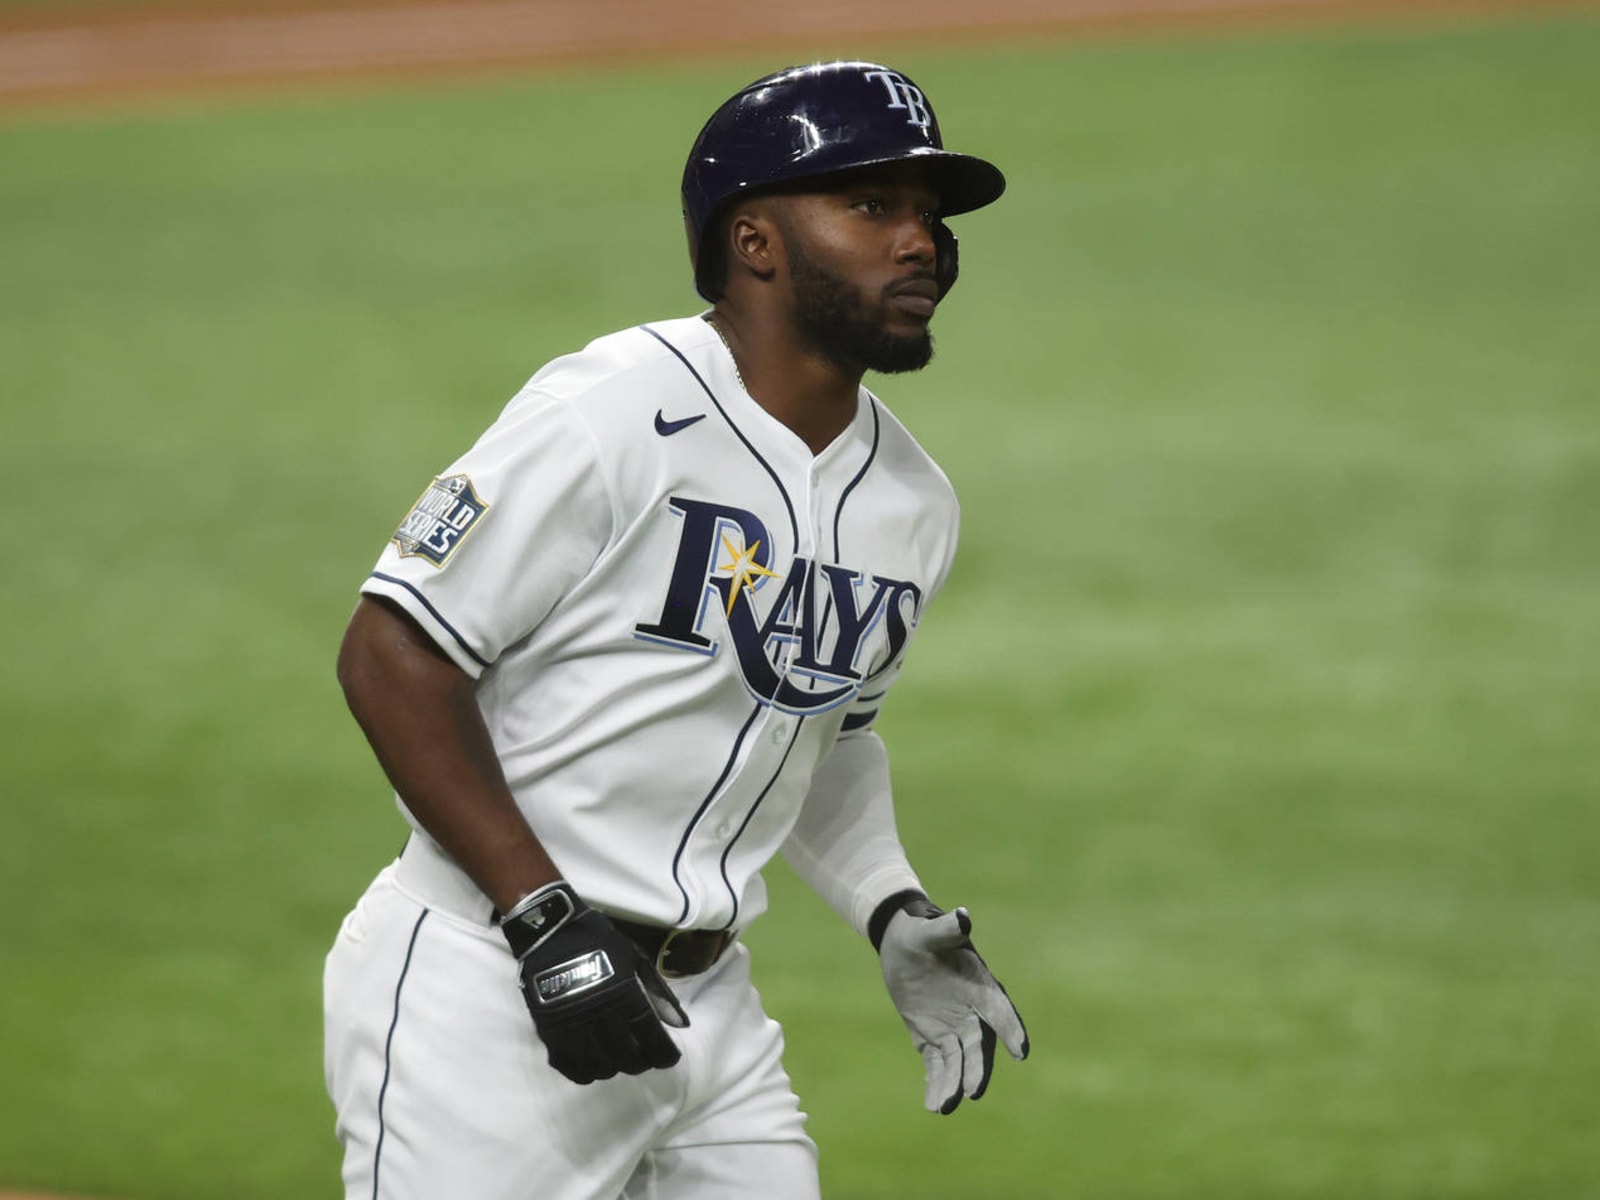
x,y
947,260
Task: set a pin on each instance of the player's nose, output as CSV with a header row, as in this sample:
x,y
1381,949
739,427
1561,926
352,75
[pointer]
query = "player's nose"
x,y
916,248
914,243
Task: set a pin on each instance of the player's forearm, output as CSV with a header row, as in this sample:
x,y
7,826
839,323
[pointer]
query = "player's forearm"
x,y
420,714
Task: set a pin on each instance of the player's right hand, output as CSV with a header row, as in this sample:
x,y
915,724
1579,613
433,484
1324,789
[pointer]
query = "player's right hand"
x,y
599,1004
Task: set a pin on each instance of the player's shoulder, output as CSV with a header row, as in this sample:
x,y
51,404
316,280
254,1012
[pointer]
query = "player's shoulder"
x,y
595,405
898,451
623,368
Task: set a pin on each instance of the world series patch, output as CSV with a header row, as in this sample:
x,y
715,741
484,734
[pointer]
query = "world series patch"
x,y
440,520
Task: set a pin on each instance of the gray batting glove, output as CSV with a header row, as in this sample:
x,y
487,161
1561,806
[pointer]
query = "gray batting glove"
x,y
946,995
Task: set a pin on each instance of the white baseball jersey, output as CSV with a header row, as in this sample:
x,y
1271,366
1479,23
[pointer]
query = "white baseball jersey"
x,y
673,609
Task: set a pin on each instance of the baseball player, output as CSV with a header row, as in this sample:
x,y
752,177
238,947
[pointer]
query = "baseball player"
x,y
629,647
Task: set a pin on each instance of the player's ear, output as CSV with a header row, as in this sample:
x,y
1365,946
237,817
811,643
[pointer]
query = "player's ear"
x,y
752,234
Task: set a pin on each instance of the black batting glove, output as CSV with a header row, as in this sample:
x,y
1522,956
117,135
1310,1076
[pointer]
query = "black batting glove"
x,y
599,1004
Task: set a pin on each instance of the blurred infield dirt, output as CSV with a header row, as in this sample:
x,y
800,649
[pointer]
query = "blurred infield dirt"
x,y
77,53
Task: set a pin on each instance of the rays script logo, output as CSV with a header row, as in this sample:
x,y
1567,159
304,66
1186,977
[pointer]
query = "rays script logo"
x,y
809,651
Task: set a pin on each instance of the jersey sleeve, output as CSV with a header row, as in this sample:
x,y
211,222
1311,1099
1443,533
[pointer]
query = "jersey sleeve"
x,y
863,710
502,534
845,844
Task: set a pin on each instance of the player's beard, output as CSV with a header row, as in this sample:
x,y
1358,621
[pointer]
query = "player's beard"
x,y
834,316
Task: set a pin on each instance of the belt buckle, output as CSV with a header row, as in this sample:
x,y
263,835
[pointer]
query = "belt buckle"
x,y
696,967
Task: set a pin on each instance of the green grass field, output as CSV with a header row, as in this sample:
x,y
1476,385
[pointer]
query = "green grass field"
x,y
1257,726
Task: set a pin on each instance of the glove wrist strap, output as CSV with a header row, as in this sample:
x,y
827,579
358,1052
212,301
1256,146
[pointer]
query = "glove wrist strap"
x,y
911,900
538,915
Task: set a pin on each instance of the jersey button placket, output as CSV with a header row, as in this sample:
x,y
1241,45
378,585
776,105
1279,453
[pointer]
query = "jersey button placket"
x,y
778,723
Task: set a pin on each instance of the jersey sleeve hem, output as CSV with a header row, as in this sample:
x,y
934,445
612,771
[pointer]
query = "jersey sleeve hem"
x,y
433,623
872,890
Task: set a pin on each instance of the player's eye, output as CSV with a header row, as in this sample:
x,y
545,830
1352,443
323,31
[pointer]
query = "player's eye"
x,y
872,205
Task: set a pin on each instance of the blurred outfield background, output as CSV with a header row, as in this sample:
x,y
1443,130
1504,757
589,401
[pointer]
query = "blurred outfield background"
x,y
1257,725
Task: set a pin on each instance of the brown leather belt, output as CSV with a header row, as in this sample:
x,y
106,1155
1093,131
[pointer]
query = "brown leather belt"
x,y
678,953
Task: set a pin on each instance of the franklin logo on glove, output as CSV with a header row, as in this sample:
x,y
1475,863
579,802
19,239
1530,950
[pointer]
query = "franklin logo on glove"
x,y
575,976
598,1015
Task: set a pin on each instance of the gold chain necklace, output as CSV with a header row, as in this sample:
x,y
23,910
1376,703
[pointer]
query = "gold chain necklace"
x,y
728,346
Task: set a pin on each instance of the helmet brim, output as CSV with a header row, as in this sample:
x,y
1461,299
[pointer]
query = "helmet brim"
x,y
964,182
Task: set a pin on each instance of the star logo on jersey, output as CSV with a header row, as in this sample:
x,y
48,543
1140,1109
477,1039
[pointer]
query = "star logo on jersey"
x,y
743,572
825,630
440,520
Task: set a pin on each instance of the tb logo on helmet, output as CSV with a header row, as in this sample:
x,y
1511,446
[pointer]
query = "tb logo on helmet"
x,y
903,94
820,120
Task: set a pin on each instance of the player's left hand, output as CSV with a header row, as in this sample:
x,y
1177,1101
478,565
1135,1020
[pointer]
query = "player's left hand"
x,y
949,1001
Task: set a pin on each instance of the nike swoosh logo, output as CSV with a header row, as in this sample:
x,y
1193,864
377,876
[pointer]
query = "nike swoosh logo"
x,y
667,428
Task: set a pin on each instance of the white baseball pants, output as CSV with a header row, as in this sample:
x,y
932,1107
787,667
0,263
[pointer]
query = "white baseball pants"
x,y
443,1092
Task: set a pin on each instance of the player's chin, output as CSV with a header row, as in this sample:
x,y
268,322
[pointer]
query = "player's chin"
x,y
898,352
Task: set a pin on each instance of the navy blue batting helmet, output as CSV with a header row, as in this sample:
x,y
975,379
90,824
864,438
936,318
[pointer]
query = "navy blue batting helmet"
x,y
818,120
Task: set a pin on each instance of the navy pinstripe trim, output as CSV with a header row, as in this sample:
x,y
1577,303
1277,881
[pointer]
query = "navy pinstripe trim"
x,y
388,1047
745,824
434,612
838,516
683,842
872,454
794,525
857,721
